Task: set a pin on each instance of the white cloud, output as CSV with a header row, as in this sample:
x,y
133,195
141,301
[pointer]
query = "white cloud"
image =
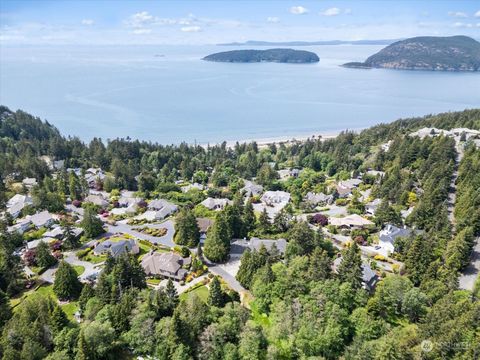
x,y
458,14
477,14
191,29
273,19
462,25
88,22
334,11
140,19
142,31
298,10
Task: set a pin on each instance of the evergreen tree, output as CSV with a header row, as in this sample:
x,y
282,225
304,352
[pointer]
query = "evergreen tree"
x,y
216,296
320,265
5,310
91,224
172,295
350,269
87,293
58,319
186,227
217,244
264,225
66,285
248,217
417,259
44,257
70,240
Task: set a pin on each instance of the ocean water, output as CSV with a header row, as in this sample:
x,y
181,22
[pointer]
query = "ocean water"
x,y
167,94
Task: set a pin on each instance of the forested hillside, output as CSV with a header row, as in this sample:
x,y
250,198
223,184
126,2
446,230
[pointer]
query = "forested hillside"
x,y
298,303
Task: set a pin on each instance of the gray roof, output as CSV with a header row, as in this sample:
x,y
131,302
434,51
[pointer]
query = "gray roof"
x,y
41,219
317,198
256,244
116,248
391,232
165,264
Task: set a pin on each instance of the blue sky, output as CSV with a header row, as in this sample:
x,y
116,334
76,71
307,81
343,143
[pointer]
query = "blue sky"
x,y
206,22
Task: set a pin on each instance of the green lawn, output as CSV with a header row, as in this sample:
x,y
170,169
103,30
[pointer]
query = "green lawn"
x,y
79,269
94,259
47,290
201,292
154,281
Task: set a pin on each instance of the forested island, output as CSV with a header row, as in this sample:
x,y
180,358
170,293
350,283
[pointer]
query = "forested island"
x,y
271,55
347,248
455,53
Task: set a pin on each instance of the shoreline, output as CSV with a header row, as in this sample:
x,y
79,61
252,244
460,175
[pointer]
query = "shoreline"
x,y
282,139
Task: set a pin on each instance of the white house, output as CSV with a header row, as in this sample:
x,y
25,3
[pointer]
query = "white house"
x,y
216,204
387,237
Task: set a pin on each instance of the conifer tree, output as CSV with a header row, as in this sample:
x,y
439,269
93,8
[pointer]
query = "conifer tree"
x,y
187,231
66,285
215,295
217,244
44,257
350,269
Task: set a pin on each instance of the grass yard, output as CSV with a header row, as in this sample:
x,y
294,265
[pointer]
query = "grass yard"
x,y
153,281
201,292
79,269
46,290
94,259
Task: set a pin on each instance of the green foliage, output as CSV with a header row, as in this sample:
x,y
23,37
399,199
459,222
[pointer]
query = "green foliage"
x,y
217,244
350,269
91,224
44,257
186,229
216,297
66,285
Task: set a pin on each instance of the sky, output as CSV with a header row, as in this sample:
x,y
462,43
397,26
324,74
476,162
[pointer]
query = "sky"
x,y
114,22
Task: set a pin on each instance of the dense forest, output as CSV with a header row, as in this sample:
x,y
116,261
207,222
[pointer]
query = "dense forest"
x,y
299,307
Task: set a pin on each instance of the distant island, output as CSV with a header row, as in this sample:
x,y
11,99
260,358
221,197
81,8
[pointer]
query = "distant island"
x,y
310,43
270,55
454,53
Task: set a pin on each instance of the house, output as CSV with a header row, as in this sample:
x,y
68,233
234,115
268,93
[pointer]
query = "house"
x,y
125,201
41,219
29,182
203,225
215,204
386,146
165,264
350,183
58,232
369,277
117,248
196,186
318,199
343,191
272,198
130,210
350,221
406,213
34,243
376,173
288,173
280,244
154,215
19,198
432,132
251,189
372,206
16,204
20,227
98,200
162,207
386,237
